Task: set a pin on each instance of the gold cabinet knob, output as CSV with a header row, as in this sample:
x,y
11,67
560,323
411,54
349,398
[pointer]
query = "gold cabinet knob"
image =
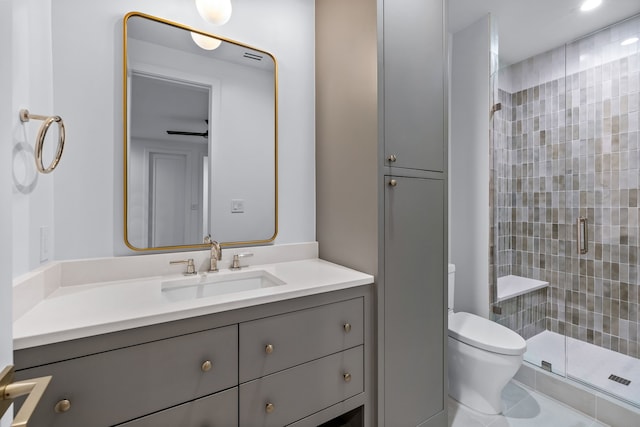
x,y
392,158
269,408
347,377
206,366
63,406
393,183
347,327
268,349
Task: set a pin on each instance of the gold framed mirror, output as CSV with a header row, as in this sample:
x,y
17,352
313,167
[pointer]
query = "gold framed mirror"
x,y
200,138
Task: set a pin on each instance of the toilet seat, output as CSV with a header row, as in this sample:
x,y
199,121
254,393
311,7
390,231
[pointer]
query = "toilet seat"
x,y
482,333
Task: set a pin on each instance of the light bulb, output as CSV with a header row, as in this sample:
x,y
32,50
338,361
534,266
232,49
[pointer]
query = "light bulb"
x,y
629,41
217,12
205,42
588,5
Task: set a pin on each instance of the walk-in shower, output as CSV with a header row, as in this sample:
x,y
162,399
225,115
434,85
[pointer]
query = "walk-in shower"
x,y
566,204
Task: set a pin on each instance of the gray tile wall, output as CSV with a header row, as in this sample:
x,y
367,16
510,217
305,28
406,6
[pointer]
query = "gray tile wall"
x,y
525,314
603,158
562,149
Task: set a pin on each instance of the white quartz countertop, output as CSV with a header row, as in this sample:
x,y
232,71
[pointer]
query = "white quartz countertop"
x,y
82,310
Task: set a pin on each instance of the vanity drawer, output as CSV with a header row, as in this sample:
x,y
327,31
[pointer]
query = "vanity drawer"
x,y
300,391
119,385
220,409
274,343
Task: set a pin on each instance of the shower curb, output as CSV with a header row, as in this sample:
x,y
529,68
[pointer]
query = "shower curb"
x,y
595,404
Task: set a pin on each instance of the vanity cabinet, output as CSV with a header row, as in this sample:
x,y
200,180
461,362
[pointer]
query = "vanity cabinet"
x,y
279,342
296,364
290,395
268,365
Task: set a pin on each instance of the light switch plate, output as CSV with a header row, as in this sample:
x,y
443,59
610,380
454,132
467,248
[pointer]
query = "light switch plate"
x,y
237,205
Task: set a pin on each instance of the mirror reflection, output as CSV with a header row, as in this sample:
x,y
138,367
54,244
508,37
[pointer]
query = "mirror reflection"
x,y
200,138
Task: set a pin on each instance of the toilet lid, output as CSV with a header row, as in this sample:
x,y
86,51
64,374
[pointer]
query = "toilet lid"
x,y
485,334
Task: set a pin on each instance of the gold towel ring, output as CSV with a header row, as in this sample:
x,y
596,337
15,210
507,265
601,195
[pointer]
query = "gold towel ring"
x,y
48,120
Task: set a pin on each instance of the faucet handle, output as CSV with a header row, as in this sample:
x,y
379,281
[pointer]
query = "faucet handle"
x,y
191,267
235,265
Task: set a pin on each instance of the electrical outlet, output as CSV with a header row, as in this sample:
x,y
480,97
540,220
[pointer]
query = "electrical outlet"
x,y
44,243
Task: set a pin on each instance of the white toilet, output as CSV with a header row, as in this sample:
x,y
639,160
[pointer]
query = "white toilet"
x,y
483,357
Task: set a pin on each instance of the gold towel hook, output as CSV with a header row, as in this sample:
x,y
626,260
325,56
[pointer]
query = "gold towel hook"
x,y
48,120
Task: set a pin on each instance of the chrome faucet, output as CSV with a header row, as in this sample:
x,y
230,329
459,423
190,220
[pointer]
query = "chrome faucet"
x,y
191,267
216,253
235,265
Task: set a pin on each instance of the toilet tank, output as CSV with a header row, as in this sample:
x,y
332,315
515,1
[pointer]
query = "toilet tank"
x,y
452,285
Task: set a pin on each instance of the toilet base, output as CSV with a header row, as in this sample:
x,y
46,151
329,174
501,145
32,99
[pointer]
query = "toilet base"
x,y
477,377
477,402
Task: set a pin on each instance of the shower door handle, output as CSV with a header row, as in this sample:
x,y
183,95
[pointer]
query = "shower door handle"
x,y
583,236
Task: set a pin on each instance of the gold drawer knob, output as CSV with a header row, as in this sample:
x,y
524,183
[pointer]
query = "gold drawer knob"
x,y
347,377
63,406
392,158
268,349
393,183
269,408
347,327
206,366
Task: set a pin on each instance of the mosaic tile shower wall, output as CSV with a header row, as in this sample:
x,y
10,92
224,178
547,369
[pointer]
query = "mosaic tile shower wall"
x,y
568,146
524,314
501,182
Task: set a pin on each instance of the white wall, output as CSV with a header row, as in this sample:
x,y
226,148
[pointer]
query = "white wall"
x,y
32,88
87,62
6,124
24,83
469,168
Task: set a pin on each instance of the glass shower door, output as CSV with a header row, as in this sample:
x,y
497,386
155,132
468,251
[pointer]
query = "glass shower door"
x,y
601,216
529,201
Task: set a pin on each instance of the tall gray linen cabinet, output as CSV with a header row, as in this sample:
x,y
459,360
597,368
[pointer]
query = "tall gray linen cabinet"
x,y
381,170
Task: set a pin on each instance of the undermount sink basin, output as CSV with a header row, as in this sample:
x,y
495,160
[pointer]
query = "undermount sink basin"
x,y
212,284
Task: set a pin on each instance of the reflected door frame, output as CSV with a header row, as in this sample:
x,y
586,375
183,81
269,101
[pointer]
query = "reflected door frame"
x,y
214,87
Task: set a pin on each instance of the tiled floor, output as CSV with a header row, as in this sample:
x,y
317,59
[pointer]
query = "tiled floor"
x,y
587,362
523,408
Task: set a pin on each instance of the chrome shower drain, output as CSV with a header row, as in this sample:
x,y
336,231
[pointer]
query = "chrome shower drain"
x,y
620,380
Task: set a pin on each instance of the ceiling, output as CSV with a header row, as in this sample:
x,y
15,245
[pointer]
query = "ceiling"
x,y
530,27
159,105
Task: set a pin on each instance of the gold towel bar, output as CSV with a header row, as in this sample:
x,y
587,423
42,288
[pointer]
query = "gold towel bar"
x,y
48,120
9,390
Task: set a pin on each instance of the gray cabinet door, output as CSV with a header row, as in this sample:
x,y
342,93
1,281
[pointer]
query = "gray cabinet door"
x,y
298,337
119,385
414,301
414,90
290,395
220,409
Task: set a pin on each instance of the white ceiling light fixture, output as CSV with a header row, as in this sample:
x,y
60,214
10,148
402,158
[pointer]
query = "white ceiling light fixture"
x,y
588,5
629,41
217,12
205,42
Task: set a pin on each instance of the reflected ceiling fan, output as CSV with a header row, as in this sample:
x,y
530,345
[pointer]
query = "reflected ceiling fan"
x,y
182,132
